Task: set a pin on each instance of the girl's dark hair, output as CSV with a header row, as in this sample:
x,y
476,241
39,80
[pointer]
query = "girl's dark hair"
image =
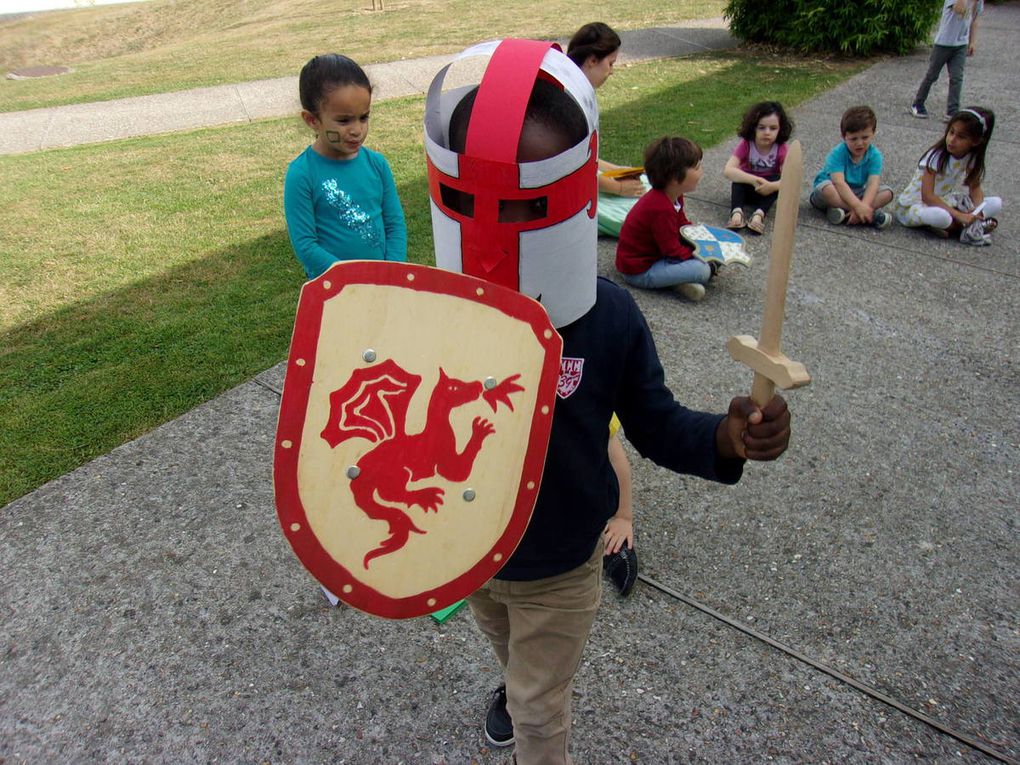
x,y
594,39
549,106
668,159
325,73
764,109
976,123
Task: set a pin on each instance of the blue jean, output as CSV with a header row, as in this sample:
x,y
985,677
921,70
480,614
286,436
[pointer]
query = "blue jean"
x,y
669,272
954,57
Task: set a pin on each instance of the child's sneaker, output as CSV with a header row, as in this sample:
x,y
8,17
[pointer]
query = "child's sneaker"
x,y
919,111
499,728
836,215
974,234
692,291
622,568
881,219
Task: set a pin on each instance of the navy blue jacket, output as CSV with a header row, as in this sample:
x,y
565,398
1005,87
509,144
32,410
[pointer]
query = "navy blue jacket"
x,y
612,356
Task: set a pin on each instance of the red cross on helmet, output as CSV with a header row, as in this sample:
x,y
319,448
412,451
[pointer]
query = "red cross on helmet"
x,y
547,248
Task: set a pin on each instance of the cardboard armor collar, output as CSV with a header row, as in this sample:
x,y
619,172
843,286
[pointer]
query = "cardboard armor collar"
x,y
552,259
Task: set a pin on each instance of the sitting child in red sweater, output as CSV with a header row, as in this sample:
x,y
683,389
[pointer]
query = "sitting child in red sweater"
x,y
650,253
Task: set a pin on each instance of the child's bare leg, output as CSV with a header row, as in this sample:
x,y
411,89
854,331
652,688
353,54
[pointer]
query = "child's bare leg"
x,y
882,198
830,197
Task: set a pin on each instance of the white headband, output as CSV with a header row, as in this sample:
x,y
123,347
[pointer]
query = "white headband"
x,y
984,126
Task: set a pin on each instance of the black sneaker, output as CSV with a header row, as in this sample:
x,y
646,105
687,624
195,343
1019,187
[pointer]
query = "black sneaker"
x,y
499,728
919,111
622,569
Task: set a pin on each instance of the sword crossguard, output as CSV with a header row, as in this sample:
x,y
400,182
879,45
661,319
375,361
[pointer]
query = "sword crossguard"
x,y
780,370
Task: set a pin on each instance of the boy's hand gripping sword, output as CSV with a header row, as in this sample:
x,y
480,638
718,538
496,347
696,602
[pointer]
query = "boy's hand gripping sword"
x,y
772,368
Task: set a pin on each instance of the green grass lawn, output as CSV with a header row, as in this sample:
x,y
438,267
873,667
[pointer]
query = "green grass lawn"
x,y
164,45
140,278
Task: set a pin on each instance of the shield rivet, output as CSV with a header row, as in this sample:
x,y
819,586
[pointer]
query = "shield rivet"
x,y
490,383
368,355
353,471
469,495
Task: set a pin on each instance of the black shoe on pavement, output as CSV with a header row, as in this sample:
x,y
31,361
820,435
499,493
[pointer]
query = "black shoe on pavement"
x,y
622,568
499,728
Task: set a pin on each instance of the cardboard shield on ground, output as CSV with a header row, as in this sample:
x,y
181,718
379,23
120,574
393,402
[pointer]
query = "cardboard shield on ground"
x,y
412,434
718,245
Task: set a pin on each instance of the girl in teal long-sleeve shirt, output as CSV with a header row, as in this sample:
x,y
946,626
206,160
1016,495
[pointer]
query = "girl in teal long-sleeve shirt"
x,y
339,197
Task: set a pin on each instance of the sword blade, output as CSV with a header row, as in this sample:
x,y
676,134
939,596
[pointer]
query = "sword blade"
x,y
787,207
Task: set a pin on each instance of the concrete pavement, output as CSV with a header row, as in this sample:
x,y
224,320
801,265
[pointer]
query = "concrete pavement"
x,y
152,610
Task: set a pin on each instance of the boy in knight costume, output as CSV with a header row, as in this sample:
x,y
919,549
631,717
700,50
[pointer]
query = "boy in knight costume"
x,y
512,180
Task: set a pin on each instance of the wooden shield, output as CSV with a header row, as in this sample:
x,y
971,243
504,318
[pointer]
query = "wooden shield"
x,y
412,434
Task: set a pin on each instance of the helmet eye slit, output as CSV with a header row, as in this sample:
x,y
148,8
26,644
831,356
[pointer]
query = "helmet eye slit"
x,y
523,210
458,201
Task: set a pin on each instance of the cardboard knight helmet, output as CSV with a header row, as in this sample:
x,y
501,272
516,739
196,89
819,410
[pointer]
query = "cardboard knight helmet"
x,y
550,253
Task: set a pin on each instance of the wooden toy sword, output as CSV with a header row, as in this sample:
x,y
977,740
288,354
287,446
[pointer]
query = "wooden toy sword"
x,y
771,367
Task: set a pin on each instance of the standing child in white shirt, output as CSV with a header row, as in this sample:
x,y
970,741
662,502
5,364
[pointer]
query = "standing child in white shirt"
x,y
954,41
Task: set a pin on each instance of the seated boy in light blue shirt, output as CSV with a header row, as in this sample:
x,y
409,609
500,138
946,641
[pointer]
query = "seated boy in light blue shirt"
x,y
848,187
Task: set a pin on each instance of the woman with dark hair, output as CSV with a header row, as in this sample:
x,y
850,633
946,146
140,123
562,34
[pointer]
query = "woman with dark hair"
x,y
594,48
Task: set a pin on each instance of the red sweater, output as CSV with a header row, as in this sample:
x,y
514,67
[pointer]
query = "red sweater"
x,y
650,233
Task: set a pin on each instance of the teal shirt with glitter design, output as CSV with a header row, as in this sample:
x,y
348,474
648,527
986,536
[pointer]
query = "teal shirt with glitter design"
x,y
343,209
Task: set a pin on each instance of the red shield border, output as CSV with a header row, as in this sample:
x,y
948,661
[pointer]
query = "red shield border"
x,y
300,371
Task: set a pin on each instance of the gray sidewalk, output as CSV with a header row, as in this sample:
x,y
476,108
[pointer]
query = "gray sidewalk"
x,y
154,612
54,127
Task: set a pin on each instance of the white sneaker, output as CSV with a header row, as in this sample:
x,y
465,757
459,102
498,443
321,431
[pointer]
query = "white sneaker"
x,y
974,234
692,291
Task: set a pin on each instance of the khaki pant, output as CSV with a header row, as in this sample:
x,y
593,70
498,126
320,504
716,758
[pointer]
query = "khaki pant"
x,y
538,630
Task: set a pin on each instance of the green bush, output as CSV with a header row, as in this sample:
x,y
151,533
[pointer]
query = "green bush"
x,y
861,28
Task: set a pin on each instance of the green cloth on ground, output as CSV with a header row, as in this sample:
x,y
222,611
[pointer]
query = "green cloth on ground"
x,y
613,210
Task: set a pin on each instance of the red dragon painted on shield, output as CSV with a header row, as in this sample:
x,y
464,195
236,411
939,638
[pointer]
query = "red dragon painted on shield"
x,y
373,404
